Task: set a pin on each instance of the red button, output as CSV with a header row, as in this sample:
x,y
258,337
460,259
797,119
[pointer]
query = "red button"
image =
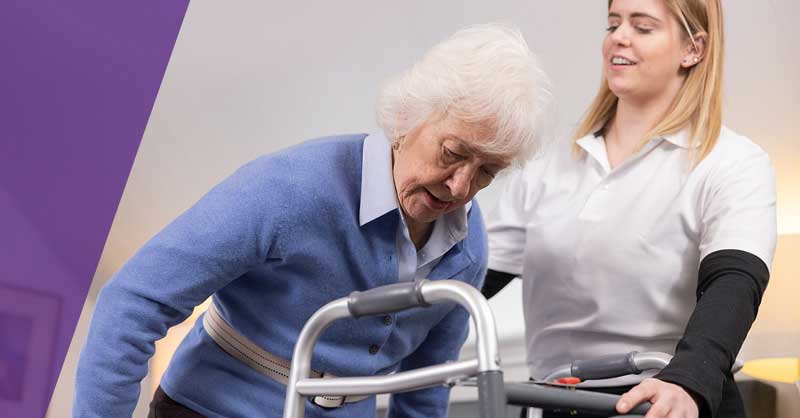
x,y
568,380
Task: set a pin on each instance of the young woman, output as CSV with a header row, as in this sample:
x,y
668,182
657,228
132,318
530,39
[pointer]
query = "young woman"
x,y
655,229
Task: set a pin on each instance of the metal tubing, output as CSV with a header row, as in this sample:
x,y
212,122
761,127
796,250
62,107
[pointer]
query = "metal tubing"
x,y
477,306
651,360
433,292
294,407
564,370
394,383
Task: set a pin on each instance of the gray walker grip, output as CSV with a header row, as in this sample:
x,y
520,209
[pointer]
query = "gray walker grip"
x,y
605,367
386,299
491,394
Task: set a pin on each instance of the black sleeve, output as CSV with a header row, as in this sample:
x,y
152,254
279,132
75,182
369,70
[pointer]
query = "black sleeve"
x,y
729,288
495,282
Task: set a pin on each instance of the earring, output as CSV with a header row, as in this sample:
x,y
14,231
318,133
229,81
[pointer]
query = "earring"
x,y
696,60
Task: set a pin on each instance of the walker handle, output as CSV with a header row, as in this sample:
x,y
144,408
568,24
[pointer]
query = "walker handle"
x,y
387,299
605,367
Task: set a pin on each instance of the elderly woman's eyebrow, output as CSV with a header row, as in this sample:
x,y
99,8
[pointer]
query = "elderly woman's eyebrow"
x,y
493,158
461,143
465,146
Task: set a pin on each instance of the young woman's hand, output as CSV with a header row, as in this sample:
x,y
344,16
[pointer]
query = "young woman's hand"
x,y
669,400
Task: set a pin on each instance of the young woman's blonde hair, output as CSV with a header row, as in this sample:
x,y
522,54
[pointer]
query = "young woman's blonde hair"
x,y
698,103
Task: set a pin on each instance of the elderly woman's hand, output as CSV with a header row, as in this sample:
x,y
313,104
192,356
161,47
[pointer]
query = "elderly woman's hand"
x,y
669,400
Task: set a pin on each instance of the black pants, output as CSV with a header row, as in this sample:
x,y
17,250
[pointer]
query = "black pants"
x,y
163,406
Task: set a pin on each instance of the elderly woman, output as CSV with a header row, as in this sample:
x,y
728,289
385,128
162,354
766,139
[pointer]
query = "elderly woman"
x,y
294,230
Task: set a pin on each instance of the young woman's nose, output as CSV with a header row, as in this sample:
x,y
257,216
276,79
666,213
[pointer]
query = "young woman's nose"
x,y
621,35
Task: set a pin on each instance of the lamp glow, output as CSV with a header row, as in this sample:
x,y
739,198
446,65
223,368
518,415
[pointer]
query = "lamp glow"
x,y
784,370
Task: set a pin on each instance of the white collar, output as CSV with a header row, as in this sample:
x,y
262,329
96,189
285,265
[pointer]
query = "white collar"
x,y
377,184
681,139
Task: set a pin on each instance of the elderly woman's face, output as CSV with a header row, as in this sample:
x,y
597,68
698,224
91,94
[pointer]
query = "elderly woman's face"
x,y
438,168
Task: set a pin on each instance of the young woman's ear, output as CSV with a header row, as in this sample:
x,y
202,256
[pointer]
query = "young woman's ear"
x,y
695,51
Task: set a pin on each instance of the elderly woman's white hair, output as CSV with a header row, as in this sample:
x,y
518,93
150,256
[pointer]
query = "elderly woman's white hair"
x,y
483,74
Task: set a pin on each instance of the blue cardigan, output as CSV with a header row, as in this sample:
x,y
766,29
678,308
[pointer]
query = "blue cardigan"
x,y
273,243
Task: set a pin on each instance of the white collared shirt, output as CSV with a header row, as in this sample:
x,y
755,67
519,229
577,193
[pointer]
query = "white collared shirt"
x,y
378,197
609,258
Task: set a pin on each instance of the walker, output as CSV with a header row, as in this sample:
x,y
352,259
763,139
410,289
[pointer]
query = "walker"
x,y
485,371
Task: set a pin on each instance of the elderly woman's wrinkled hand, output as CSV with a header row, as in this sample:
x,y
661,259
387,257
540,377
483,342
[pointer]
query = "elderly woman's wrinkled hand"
x,y
669,400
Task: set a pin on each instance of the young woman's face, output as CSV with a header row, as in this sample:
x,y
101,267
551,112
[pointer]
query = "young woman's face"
x,y
643,50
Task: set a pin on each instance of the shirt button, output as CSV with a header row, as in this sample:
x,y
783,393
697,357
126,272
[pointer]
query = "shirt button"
x,y
387,320
373,349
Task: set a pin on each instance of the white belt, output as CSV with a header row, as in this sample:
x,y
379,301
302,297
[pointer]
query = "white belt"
x,y
246,351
